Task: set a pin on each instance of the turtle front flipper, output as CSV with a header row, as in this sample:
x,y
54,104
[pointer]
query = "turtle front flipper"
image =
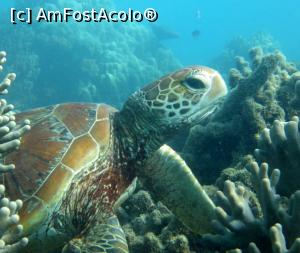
x,y
102,238
169,178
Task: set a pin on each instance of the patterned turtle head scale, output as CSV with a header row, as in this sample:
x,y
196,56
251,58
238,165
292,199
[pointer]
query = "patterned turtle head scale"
x,y
185,96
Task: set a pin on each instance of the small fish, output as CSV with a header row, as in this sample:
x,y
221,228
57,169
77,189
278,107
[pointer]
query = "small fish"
x,y
196,34
198,14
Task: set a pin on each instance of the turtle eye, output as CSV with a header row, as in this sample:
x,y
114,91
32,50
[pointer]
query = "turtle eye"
x,y
194,83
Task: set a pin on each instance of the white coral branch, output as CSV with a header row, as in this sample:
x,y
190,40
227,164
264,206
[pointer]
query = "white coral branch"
x,y
10,230
11,240
10,132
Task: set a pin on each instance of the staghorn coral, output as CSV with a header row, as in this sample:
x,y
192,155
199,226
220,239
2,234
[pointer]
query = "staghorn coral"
x,y
10,133
280,147
238,225
10,231
277,240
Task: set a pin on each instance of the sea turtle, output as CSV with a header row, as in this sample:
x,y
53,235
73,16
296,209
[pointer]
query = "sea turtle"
x,y
79,162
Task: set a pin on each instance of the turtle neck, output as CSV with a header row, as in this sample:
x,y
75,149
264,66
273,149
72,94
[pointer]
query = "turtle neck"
x,y
137,134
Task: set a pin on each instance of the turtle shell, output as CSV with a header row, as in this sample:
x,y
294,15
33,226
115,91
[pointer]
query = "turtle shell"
x,y
63,140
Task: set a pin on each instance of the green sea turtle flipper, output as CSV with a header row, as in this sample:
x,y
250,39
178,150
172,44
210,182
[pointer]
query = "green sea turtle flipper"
x,y
170,180
102,238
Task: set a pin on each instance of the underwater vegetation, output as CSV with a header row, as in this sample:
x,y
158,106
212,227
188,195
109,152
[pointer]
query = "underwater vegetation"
x,y
257,204
84,62
10,133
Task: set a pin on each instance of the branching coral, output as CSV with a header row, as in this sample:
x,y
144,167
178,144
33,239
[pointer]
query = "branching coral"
x,y
237,224
10,231
280,147
278,243
10,133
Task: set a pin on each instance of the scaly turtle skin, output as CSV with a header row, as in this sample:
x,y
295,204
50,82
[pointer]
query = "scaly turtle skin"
x,y
74,166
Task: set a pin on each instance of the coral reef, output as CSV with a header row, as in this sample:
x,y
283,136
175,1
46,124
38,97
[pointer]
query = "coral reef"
x,y
10,231
10,132
98,62
151,228
257,212
11,240
262,91
280,147
272,224
263,226
239,225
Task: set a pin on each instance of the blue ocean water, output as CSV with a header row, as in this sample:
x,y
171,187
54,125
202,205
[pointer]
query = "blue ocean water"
x,y
220,21
203,30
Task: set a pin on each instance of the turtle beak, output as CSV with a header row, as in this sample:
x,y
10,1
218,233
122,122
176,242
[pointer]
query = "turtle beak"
x,y
217,89
200,115
210,100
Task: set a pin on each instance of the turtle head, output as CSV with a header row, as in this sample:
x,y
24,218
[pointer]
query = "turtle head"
x,y
185,96
152,115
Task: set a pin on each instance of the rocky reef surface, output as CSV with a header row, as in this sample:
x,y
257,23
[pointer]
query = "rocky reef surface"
x,y
87,62
248,156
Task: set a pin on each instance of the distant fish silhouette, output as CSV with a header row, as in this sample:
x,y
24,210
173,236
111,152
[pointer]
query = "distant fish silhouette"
x,y
198,14
196,34
163,33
